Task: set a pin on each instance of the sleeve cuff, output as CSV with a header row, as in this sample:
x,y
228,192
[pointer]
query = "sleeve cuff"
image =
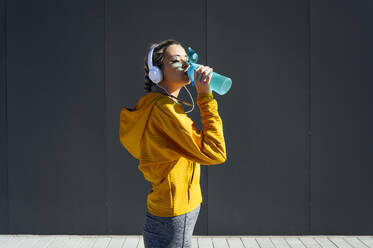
x,y
208,95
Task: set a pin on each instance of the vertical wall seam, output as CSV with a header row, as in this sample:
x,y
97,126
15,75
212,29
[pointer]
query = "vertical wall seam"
x,y
6,142
309,131
207,183
105,127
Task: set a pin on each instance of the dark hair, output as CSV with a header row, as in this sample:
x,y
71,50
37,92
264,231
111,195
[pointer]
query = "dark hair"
x,y
157,60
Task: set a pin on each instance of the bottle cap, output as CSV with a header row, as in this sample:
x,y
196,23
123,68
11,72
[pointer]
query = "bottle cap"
x,y
193,56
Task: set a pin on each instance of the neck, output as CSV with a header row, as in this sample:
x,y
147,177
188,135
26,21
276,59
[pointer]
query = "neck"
x,y
170,89
173,93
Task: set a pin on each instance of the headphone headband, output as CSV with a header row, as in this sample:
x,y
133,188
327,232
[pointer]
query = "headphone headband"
x,y
150,57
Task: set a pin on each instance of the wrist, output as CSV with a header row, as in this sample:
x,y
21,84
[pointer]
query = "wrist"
x,y
204,92
207,95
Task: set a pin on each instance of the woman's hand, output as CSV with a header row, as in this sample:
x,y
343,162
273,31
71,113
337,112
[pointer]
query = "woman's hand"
x,y
202,77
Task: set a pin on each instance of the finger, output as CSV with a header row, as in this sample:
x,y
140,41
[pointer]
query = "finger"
x,y
209,77
187,68
208,74
203,72
199,74
196,73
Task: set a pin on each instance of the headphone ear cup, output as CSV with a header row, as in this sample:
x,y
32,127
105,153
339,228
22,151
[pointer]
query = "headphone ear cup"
x,y
155,74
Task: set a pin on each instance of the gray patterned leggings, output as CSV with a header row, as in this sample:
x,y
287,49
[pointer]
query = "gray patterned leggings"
x,y
170,232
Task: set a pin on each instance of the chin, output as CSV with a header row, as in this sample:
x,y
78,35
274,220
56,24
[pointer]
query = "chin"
x,y
187,81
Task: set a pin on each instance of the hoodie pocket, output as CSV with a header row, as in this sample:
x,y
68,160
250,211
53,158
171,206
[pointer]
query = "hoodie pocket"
x,y
171,191
191,166
191,179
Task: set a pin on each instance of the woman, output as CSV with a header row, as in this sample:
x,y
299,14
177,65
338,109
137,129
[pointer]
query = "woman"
x,y
170,148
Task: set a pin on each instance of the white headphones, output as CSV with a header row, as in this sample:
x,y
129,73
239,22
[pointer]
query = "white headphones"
x,y
155,73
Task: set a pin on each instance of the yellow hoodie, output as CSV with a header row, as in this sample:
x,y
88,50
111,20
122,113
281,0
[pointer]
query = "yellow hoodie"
x,y
170,149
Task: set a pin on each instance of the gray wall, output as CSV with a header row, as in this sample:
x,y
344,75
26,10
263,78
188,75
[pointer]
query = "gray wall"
x,y
297,119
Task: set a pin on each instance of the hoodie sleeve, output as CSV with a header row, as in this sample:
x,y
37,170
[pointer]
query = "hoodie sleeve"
x,y
179,131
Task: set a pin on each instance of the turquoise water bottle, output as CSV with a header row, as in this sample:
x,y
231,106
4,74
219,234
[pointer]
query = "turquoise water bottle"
x,y
218,83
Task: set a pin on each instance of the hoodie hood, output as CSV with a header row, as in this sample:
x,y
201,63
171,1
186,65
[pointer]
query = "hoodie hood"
x,y
133,122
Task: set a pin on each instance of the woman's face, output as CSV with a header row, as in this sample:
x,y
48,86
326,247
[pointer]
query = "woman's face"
x,y
174,64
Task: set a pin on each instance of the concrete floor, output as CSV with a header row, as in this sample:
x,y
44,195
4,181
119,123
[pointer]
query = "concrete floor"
x,y
136,241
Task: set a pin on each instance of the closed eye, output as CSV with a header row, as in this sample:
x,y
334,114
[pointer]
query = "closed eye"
x,y
175,61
